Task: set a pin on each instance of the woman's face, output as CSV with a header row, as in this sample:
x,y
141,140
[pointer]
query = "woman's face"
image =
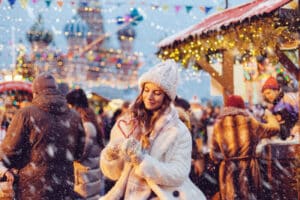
x,y
270,95
153,96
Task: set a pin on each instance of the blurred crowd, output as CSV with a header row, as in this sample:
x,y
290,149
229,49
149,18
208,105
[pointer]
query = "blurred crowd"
x,y
198,117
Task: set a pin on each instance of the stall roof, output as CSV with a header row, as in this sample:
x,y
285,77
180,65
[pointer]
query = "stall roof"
x,y
15,85
225,18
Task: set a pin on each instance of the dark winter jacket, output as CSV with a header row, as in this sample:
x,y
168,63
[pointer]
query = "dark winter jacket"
x,y
289,117
285,100
41,142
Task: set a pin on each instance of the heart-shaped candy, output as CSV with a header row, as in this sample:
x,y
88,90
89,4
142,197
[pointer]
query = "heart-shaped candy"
x,y
127,127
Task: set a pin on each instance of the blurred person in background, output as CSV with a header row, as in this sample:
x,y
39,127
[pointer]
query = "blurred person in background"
x,y
284,104
197,167
41,143
104,122
2,129
88,177
234,140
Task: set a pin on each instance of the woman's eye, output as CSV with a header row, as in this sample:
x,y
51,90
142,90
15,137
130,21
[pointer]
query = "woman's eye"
x,y
157,92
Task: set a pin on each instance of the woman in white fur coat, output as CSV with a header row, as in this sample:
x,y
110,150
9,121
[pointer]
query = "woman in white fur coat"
x,y
149,152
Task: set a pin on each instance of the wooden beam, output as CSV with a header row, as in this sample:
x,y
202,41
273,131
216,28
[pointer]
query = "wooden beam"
x,y
209,69
286,62
214,74
226,78
227,72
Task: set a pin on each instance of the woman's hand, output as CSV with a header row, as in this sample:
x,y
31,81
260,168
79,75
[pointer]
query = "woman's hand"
x,y
112,152
132,150
130,146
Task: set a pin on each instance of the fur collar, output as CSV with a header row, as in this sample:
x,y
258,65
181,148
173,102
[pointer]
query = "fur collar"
x,y
230,111
169,114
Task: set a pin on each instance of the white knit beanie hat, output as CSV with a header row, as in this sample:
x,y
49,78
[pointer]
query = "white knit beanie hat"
x,y
165,75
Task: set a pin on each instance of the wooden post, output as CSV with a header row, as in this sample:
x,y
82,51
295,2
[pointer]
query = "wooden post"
x,y
226,78
227,73
213,74
298,79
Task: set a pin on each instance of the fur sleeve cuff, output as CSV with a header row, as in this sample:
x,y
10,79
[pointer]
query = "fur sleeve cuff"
x,y
3,169
111,168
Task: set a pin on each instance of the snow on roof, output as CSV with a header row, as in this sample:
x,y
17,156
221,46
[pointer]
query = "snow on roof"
x,y
228,16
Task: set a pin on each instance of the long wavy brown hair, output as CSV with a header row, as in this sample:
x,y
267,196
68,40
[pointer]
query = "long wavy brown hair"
x,y
145,117
88,115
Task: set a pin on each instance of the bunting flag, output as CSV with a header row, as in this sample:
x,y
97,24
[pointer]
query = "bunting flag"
x,y
177,8
73,3
23,3
188,8
48,3
202,8
205,9
220,9
85,3
60,3
165,7
11,2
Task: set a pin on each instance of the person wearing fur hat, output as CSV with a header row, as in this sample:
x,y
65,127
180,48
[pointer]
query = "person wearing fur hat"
x,y
41,143
276,98
88,177
149,152
234,140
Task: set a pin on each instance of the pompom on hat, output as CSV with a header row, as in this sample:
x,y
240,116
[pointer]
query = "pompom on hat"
x,y
43,81
163,74
271,83
235,101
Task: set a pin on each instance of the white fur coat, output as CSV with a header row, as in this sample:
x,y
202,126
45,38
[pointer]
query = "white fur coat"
x,y
166,169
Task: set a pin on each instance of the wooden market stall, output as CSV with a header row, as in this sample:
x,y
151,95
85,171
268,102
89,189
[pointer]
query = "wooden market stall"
x,y
15,92
255,28
13,95
97,102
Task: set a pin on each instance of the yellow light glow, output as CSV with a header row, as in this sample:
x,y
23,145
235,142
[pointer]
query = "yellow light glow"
x,y
8,77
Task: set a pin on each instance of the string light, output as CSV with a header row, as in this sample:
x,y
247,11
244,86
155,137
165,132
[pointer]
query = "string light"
x,y
256,40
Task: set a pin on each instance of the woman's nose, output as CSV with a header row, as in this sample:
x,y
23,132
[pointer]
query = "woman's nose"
x,y
150,95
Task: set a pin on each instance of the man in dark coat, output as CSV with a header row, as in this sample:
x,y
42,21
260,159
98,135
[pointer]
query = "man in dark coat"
x,y
42,142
